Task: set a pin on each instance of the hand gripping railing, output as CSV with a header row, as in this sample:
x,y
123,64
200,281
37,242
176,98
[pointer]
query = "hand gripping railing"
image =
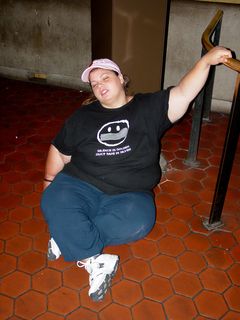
x,y
232,135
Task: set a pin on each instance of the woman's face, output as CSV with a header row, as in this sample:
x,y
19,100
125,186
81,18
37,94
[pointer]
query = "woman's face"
x,y
107,87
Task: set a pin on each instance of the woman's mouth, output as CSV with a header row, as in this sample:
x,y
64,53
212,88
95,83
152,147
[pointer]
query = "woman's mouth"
x,y
104,92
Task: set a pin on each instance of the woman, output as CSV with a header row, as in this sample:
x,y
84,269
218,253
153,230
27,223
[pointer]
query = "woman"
x,y
104,162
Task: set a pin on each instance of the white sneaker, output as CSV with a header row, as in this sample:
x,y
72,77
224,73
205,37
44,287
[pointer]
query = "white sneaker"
x,y
101,269
53,251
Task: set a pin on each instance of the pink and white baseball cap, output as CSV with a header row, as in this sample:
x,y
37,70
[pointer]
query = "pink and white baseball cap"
x,y
102,64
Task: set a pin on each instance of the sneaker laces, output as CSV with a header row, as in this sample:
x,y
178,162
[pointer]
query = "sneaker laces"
x,y
93,268
87,265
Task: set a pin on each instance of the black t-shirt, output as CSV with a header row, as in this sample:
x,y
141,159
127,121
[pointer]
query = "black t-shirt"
x,y
116,150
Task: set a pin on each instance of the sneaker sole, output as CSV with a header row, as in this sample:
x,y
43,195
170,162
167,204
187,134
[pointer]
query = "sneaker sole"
x,y
100,293
50,255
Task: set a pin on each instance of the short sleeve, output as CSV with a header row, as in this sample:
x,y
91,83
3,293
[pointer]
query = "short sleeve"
x,y
156,110
65,140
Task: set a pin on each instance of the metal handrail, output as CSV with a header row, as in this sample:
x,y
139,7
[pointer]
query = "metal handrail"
x,y
232,135
232,63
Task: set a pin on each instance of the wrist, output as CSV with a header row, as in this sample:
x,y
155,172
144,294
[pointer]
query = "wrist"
x,y
204,63
47,180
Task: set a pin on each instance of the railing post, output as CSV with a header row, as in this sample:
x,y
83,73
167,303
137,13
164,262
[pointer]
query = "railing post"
x,y
202,107
207,101
230,145
196,128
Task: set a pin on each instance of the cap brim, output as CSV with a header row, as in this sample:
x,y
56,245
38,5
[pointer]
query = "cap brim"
x,y
86,72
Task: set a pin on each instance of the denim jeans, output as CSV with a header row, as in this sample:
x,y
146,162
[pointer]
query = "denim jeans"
x,y
83,220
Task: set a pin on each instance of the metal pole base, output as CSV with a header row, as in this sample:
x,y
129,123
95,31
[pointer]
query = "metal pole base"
x,y
212,226
191,163
208,120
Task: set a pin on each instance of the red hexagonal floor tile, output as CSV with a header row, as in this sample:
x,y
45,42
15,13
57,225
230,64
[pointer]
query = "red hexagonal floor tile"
x,y
175,175
165,201
21,214
197,242
63,301
186,284
10,201
22,166
171,246
40,242
215,280
32,262
6,309
206,195
187,198
192,262
134,293
232,297
22,187
75,278
1,246
235,253
7,264
179,307
82,313
3,215
8,230
181,212
147,309
136,269
157,288
18,245
60,264
192,185
171,187
203,209
156,233
211,304
163,215
222,239
15,284
32,199
234,272
30,305
115,312
177,228
37,213
219,258
165,266
33,227
145,249
46,280
48,316
231,315
195,173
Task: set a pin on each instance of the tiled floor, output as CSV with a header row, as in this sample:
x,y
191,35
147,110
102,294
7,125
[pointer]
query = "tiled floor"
x,y
180,271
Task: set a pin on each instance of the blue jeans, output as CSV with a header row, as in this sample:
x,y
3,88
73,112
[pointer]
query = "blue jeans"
x,y
83,220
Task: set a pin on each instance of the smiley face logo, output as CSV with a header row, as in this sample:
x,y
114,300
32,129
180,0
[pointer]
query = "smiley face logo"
x,y
114,133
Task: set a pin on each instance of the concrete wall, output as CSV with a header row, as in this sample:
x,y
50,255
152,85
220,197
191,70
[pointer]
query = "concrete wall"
x,y
188,19
132,33
51,37
138,32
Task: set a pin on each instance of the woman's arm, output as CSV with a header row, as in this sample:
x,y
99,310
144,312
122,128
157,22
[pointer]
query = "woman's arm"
x,y
54,164
192,83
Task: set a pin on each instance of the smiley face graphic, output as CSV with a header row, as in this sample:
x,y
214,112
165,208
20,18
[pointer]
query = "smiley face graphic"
x,y
113,133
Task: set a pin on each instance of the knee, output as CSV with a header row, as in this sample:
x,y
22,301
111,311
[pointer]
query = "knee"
x,y
51,199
